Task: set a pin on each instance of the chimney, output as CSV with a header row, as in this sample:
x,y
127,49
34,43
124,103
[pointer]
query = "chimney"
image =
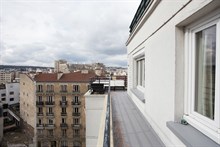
x,y
59,75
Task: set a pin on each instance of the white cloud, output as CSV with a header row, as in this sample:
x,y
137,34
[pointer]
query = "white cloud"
x,y
37,32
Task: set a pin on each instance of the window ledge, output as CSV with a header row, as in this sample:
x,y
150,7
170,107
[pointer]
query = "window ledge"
x,y
190,136
139,94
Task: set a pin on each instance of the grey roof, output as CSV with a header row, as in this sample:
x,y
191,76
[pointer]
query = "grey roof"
x,y
139,13
130,128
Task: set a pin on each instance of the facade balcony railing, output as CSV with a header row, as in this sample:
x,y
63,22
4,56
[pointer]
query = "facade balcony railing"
x,y
50,136
40,135
76,126
63,103
40,126
76,92
39,91
39,103
50,114
63,91
63,125
63,114
49,126
64,136
50,91
76,103
77,137
40,114
76,114
50,103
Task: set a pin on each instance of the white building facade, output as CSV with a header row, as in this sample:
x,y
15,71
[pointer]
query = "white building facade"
x,y
12,93
9,94
174,66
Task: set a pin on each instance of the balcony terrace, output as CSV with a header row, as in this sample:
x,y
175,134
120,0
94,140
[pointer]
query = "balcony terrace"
x,y
50,92
75,92
120,121
39,103
130,128
49,103
76,126
76,103
76,114
50,114
63,125
63,103
40,126
49,126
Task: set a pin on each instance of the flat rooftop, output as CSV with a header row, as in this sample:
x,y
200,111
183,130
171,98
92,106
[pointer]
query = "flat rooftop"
x,y
130,128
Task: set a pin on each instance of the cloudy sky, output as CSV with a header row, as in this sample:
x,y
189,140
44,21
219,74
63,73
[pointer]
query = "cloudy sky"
x,y
37,32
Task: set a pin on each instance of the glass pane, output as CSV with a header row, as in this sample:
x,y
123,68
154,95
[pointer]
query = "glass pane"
x,y
205,72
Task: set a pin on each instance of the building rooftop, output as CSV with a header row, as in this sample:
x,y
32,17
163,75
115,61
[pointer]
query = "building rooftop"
x,y
130,128
139,13
64,77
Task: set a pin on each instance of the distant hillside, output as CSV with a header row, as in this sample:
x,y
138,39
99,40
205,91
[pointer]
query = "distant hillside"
x,y
21,67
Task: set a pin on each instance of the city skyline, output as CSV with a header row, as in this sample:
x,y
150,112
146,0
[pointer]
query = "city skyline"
x,y
38,32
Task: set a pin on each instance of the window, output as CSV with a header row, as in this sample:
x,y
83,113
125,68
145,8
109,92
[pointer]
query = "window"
x,y
76,132
63,143
138,69
40,98
76,121
140,65
39,88
50,121
75,88
63,120
50,132
39,121
40,132
64,132
63,110
11,92
202,67
205,48
76,110
11,99
3,99
50,88
1,111
5,106
50,110
3,94
40,110
50,98
63,88
76,99
5,114
63,98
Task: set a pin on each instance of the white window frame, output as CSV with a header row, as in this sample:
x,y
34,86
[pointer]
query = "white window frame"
x,y
209,127
139,55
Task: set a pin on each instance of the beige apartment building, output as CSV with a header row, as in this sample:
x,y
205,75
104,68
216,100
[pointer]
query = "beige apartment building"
x,y
53,105
5,77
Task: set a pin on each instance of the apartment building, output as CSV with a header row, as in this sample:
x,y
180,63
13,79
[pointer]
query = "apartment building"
x,y
5,77
9,93
173,69
61,66
53,104
1,122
